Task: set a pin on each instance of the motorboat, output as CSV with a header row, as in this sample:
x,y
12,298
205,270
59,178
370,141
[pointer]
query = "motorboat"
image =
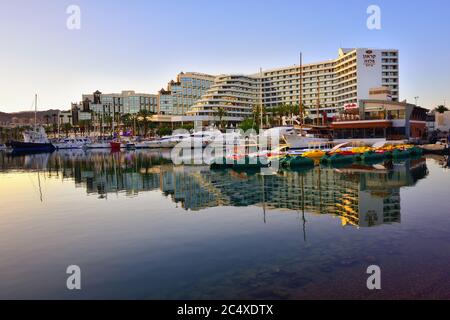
x,y
71,143
100,143
173,140
302,139
148,144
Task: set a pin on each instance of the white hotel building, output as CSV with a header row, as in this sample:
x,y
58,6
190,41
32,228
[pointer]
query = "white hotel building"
x,y
331,84
236,95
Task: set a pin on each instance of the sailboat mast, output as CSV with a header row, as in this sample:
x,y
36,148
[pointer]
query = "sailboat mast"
x,y
35,111
260,97
318,101
300,92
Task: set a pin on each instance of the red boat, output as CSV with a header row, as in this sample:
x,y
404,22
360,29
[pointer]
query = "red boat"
x,y
115,145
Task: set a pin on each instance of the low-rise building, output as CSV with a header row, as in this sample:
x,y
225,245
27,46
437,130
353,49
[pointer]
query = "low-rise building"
x,y
126,102
442,121
380,117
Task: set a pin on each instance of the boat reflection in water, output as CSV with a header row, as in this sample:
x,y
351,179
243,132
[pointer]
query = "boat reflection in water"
x,y
360,195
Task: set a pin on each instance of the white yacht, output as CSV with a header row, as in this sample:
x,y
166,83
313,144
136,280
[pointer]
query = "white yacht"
x,y
71,143
99,144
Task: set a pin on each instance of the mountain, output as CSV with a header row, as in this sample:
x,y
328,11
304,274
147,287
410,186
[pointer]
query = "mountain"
x,y
26,116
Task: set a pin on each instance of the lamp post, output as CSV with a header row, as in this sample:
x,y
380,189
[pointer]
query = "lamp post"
x,y
416,99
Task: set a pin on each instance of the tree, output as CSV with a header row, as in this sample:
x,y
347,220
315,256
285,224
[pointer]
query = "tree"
x,y
257,115
164,131
441,109
144,117
3,134
221,113
127,120
55,124
47,118
85,125
67,127
186,126
248,124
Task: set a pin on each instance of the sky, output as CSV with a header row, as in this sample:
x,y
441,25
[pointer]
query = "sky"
x,y
141,45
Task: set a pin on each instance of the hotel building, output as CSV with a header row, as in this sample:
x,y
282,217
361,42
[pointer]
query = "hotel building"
x,y
126,102
335,83
236,95
331,84
181,94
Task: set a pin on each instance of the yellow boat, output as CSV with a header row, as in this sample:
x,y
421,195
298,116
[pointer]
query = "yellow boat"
x,y
314,154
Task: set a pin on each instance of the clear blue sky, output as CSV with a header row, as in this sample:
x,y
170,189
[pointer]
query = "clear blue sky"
x,y
140,45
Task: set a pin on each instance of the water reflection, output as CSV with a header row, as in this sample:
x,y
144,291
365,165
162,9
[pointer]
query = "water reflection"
x,y
362,195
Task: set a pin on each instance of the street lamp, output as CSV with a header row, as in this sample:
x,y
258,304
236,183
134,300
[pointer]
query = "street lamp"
x,y
416,99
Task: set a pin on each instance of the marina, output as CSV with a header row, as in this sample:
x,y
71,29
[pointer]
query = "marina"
x,y
290,235
224,155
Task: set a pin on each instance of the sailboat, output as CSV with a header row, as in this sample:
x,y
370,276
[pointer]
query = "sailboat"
x,y
34,140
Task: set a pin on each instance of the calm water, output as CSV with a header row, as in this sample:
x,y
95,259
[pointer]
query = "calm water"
x,y
140,227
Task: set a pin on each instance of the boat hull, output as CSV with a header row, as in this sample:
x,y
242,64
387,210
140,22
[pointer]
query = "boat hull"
x,y
98,145
115,146
32,147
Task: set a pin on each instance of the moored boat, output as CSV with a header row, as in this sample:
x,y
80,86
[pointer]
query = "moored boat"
x,y
71,143
34,140
115,145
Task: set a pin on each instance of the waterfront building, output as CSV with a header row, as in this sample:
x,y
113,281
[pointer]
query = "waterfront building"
x,y
65,117
333,84
442,121
431,121
126,102
327,87
380,117
235,95
181,94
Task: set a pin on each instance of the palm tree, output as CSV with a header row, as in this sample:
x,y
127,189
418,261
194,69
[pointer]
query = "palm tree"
x,y
47,118
60,121
441,109
2,134
144,116
221,113
127,120
55,126
67,127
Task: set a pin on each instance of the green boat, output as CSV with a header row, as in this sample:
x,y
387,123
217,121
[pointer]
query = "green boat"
x,y
295,162
370,155
397,153
336,158
246,163
416,151
219,163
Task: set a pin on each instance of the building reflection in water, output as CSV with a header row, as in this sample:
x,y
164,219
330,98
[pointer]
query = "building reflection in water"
x,y
361,195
